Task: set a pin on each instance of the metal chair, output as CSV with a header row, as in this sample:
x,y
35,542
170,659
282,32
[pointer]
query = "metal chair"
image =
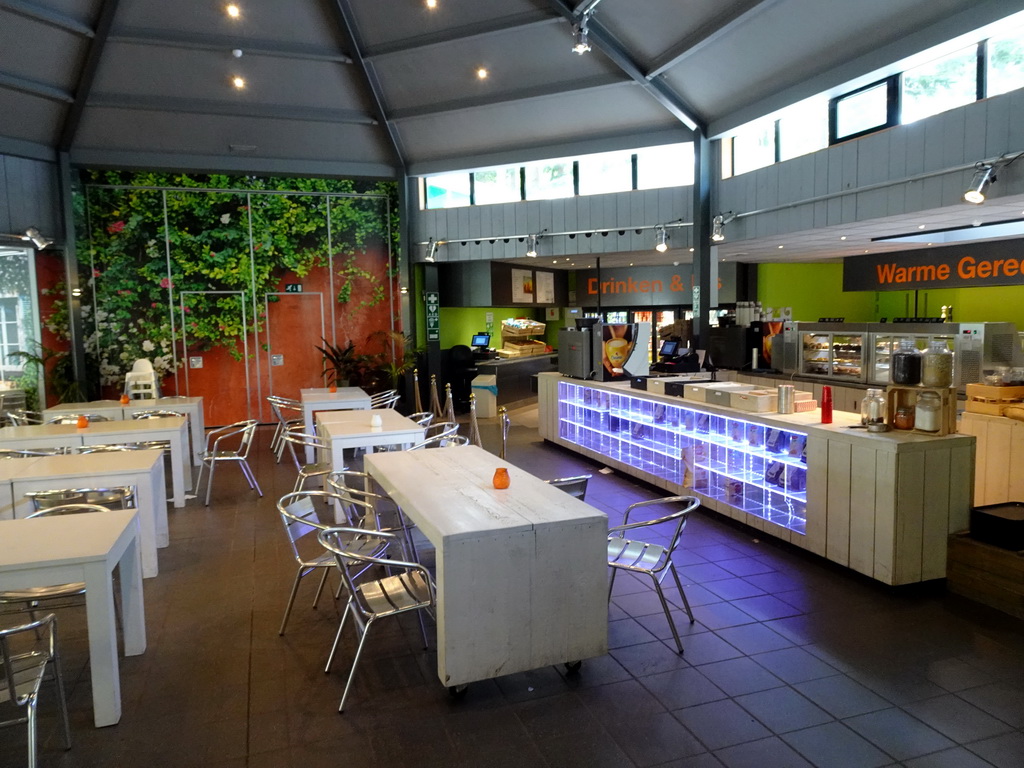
x,y
423,418
504,422
280,406
220,442
118,497
72,418
297,443
22,673
408,588
20,453
20,417
386,399
159,445
366,505
108,448
440,435
301,524
649,559
574,486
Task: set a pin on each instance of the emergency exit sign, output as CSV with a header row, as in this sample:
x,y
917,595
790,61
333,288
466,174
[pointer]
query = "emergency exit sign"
x,y
293,288
433,302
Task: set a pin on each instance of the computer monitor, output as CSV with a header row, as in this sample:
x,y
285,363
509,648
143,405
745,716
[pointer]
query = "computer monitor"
x,y
669,349
481,340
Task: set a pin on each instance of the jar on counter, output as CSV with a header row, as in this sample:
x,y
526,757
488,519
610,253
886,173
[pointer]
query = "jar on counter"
x,y
928,413
937,365
872,411
904,417
905,364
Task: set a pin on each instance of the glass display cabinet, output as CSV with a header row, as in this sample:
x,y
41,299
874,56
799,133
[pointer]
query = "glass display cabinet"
x,y
883,345
747,465
834,355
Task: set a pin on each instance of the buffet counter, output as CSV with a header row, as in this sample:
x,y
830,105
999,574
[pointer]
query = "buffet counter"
x,y
515,375
882,504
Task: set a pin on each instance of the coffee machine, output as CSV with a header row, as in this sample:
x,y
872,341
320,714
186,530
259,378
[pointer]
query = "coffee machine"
x,y
604,351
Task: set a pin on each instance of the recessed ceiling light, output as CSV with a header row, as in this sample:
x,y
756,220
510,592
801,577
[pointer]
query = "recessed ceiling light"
x,y
691,250
238,82
843,237
233,11
482,73
431,4
781,247
920,226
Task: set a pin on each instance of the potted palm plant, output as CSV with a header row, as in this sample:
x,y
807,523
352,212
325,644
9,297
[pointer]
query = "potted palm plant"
x,y
342,366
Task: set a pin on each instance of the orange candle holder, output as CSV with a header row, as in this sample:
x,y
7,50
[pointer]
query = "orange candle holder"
x,y
83,421
501,479
125,399
332,388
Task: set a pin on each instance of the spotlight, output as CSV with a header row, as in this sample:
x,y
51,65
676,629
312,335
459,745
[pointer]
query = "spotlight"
x,y
717,224
579,33
431,250
661,240
984,174
531,248
37,239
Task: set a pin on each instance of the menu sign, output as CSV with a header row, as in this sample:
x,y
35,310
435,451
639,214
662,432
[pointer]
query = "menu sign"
x,y
997,262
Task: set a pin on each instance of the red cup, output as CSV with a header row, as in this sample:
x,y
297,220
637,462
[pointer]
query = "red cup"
x,y
826,404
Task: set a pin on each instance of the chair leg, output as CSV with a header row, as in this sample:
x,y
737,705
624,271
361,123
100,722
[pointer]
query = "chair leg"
x,y
63,702
209,482
611,583
199,477
320,589
668,612
355,663
31,719
337,636
682,593
251,477
291,599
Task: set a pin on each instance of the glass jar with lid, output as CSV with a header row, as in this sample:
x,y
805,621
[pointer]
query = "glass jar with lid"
x,y
937,365
873,411
905,364
928,412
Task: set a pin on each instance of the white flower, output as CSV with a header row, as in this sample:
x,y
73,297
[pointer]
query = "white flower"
x,y
148,346
225,218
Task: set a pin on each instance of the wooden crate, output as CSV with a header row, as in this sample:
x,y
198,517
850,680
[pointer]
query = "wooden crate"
x,y
987,574
992,400
897,396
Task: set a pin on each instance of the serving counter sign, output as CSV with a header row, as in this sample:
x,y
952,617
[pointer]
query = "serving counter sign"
x,y
998,262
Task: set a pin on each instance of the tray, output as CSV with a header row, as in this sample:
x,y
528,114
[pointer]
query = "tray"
x,y
992,400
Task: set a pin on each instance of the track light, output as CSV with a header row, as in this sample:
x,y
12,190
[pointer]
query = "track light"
x,y
431,250
718,226
984,174
661,240
33,234
531,247
579,34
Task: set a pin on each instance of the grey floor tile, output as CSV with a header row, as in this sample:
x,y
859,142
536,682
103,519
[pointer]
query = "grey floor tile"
x,y
765,753
957,719
753,638
833,745
650,658
999,700
719,615
708,647
733,589
739,676
766,607
899,734
683,688
1006,751
958,757
721,724
783,709
794,665
654,739
841,696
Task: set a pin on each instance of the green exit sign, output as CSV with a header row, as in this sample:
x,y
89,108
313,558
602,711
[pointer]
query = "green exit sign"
x,y
293,288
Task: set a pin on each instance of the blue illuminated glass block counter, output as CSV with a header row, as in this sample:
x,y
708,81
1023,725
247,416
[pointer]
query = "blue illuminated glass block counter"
x,y
882,504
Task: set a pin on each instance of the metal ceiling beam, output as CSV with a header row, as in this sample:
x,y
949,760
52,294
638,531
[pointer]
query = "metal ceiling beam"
x,y
586,7
108,9
47,16
710,33
225,43
522,94
34,88
519,22
230,109
342,10
656,87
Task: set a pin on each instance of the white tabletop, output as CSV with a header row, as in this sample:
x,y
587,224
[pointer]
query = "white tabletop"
x,y
9,436
358,423
93,406
85,464
62,539
342,395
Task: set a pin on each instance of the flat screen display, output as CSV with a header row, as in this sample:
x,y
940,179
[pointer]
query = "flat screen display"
x,y
481,340
669,349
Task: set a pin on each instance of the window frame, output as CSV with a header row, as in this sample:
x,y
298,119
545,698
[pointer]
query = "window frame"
x,y
892,109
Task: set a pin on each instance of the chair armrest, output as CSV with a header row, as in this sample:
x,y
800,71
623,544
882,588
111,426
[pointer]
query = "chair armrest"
x,y
692,503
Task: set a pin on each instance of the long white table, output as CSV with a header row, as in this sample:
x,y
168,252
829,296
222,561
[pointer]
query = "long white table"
x,y
169,428
322,399
85,548
192,407
142,469
353,429
521,573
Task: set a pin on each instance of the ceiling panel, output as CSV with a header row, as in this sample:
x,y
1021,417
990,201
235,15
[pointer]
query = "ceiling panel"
x,y
40,52
31,118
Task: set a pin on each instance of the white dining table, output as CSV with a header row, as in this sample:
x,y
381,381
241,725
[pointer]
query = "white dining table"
x,y
142,469
315,399
521,573
354,429
192,407
85,548
172,429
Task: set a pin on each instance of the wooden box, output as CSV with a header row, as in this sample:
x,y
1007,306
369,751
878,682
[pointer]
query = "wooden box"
x,y
756,400
985,573
986,398
898,396
702,391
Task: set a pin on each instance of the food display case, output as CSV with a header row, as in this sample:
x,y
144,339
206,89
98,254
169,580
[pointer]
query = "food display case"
x,y
835,353
882,345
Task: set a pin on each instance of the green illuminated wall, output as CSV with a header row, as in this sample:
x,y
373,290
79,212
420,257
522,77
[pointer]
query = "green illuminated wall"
x,y
458,324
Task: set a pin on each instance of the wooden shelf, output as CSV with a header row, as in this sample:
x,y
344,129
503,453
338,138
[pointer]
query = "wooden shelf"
x,y
899,396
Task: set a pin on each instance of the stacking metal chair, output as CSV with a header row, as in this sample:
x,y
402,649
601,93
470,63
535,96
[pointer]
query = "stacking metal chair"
x,y
366,505
408,588
574,486
650,559
20,453
423,418
297,443
108,448
118,497
72,418
19,417
229,444
301,524
280,406
22,673
504,422
386,399
441,434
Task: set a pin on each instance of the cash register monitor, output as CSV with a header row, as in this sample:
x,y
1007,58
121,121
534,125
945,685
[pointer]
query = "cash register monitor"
x,y
669,349
481,341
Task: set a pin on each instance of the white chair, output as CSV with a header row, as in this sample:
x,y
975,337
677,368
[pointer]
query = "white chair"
x,y
229,444
140,382
22,673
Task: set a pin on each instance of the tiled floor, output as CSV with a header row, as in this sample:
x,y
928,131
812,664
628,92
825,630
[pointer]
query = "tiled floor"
x,y
791,662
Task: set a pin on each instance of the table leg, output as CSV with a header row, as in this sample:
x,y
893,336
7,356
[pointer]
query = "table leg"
x,y
133,608
99,610
178,466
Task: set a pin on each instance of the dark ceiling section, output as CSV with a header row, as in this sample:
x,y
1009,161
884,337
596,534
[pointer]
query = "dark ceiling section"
x,y
378,87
